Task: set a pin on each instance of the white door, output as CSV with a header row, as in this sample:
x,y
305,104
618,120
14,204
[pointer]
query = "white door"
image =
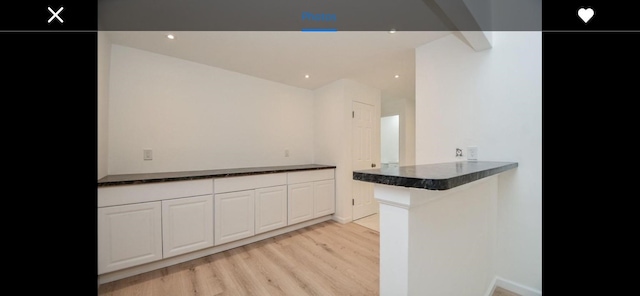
x,y
234,216
129,235
187,224
324,197
271,208
365,156
300,202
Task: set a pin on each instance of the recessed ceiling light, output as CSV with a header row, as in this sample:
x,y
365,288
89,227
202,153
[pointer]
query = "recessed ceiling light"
x,y
170,36
392,31
397,76
306,76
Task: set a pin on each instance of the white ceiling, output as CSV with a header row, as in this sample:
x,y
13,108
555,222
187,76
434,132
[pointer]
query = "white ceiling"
x,y
372,58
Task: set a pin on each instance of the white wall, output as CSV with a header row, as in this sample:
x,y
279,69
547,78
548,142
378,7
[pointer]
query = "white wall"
x,y
104,59
491,99
332,134
331,116
197,117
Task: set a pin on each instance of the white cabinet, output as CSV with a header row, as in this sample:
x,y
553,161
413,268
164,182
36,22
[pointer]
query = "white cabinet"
x,y
249,205
234,216
311,194
187,224
270,208
142,223
300,202
146,223
129,235
324,198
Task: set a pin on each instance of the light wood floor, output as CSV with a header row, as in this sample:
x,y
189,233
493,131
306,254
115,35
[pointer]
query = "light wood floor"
x,y
371,222
503,292
324,259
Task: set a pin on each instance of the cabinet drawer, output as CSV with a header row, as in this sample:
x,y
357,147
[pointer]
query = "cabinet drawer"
x,y
137,193
310,176
231,184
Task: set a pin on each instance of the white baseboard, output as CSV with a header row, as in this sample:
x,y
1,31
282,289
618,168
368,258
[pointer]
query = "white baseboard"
x,y
512,286
341,220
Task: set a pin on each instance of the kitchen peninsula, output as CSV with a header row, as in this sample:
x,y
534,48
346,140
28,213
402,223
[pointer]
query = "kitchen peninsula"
x,y
437,226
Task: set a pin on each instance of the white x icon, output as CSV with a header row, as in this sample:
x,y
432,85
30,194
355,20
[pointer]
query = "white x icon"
x,y
55,14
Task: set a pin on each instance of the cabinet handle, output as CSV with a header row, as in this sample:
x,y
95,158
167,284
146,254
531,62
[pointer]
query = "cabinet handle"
x,y
373,165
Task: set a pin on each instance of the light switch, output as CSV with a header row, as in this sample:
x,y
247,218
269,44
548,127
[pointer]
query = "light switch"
x,y
147,154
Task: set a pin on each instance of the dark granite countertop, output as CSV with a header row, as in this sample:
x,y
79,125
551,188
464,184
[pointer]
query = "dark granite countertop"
x,y
125,179
439,176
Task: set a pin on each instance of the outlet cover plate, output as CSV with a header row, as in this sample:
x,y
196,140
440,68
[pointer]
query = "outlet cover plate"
x,y
472,153
147,154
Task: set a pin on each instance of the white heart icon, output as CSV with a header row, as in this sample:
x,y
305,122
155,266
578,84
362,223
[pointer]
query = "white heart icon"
x,y
585,14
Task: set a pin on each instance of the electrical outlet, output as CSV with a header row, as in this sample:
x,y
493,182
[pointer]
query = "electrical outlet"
x,y
286,152
147,154
458,153
472,153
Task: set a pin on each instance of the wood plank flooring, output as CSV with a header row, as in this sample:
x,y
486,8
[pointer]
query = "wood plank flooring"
x,y
324,259
498,291
371,222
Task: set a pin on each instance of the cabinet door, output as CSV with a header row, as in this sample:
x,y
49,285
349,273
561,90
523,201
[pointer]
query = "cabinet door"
x,y
129,235
187,224
300,199
324,198
271,208
234,216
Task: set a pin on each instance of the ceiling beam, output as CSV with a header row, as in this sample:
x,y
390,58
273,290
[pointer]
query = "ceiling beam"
x,y
471,18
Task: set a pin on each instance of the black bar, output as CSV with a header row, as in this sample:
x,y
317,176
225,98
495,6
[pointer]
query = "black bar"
x,y
287,15
50,145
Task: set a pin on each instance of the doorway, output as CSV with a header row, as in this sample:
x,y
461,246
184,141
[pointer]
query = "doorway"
x,y
390,141
389,157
